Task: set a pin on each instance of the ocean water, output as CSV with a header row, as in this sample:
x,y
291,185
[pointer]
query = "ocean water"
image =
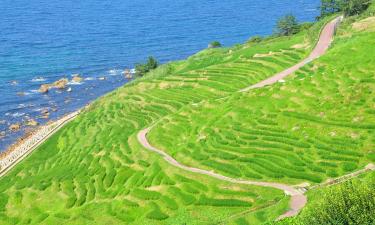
x,y
42,41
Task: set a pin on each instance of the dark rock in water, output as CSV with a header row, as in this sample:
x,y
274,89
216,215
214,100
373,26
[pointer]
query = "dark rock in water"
x,y
45,113
14,127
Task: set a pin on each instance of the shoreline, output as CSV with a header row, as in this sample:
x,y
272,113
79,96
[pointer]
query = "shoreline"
x,y
28,143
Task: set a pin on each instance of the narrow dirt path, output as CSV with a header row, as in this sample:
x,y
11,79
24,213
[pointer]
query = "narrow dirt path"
x,y
298,199
325,39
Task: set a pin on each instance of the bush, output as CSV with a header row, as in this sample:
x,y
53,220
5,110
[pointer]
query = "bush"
x,y
287,25
214,44
142,68
349,7
348,203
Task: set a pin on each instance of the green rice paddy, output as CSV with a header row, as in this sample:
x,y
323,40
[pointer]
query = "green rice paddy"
x,y
319,124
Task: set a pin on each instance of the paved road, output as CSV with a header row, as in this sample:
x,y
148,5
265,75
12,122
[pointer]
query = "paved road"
x,y
321,47
298,199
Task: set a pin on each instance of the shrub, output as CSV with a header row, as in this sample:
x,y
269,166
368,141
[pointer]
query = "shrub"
x,y
349,7
287,25
142,68
214,44
349,203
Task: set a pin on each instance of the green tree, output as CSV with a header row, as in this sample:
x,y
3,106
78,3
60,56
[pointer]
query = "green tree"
x,y
287,25
349,7
214,44
354,7
152,63
142,68
328,7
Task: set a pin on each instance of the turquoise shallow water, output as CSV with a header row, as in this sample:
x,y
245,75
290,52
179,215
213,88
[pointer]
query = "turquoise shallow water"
x,y
44,40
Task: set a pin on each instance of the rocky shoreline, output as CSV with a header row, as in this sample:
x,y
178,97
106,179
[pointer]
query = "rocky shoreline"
x,y
31,141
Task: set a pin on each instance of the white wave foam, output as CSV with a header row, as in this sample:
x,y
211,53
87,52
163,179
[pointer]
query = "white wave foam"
x,y
18,114
90,78
38,79
114,72
21,106
74,83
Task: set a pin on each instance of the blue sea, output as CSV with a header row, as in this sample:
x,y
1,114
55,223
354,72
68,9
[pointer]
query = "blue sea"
x,y
42,41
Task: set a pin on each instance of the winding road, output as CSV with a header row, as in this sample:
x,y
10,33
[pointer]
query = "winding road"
x,y
298,199
325,40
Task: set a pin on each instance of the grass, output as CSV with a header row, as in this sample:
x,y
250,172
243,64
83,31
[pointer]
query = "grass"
x,y
318,124
94,171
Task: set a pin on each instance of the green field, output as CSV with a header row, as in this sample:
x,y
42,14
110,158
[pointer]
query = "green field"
x,y
319,124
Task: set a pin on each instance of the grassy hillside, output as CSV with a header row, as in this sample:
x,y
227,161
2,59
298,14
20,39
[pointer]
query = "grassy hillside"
x,y
94,171
318,124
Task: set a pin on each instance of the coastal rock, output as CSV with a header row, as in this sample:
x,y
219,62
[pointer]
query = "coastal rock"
x,y
44,88
45,113
2,134
21,93
60,84
127,74
14,127
32,123
77,78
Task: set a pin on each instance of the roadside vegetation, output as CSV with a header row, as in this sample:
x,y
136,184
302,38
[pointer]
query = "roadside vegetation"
x,y
317,124
351,203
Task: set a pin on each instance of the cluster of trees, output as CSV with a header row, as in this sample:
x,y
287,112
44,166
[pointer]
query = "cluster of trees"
x,y
288,24
348,7
142,68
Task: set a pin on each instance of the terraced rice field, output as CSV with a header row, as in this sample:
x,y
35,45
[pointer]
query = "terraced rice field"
x,y
317,125
94,170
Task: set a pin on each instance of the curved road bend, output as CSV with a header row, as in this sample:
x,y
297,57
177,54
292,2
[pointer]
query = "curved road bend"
x,y
298,199
325,40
